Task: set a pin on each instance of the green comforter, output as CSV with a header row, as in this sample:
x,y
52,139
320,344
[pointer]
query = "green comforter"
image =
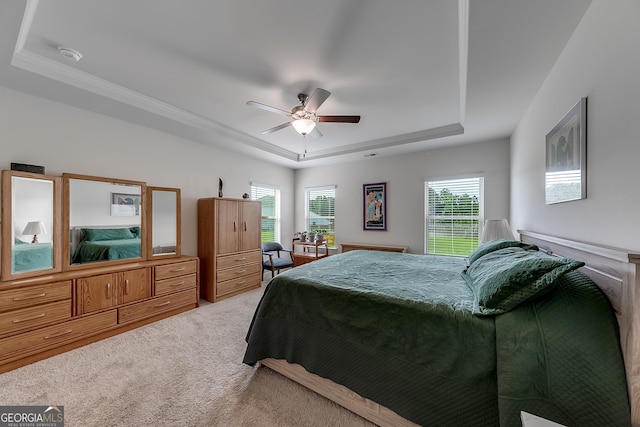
x,y
89,251
399,330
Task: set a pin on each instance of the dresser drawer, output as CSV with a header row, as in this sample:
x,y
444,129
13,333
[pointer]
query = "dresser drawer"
x,y
238,283
173,270
175,284
54,336
18,320
33,295
236,272
176,269
155,306
228,261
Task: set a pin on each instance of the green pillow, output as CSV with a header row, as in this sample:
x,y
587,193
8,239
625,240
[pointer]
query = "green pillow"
x,y
97,234
135,231
495,245
505,278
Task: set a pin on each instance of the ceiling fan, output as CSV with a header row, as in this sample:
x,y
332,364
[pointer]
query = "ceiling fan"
x,y
304,116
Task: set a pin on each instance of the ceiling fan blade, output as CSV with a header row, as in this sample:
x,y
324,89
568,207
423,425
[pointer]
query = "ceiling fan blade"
x,y
316,99
269,108
276,128
339,119
315,133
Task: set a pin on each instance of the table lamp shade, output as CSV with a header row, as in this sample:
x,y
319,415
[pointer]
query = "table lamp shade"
x,y
496,229
34,228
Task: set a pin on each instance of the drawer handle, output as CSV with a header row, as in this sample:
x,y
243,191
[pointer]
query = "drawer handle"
x,y
177,284
241,283
109,290
126,287
163,304
241,259
59,334
29,297
241,272
175,270
26,319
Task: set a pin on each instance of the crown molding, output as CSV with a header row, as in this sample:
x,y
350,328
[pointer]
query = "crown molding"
x,y
392,141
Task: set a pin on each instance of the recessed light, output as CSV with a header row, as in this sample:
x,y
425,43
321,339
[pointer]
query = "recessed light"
x,y
70,53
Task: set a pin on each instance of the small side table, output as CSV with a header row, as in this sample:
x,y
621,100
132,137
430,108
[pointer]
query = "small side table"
x,y
310,251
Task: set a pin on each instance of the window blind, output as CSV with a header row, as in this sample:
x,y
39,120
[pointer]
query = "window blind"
x,y
320,211
453,213
270,198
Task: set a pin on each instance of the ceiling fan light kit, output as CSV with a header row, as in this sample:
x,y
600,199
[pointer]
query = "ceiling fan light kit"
x,y
304,116
303,126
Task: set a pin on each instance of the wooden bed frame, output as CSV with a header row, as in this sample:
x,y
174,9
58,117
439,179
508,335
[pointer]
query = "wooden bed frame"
x,y
615,271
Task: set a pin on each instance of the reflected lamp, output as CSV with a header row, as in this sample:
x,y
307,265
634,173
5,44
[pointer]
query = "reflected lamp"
x,y
34,228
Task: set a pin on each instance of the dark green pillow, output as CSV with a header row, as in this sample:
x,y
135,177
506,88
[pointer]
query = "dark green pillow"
x,y
135,231
494,245
97,234
505,278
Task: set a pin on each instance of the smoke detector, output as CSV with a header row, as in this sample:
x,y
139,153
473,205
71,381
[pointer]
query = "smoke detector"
x,y
70,53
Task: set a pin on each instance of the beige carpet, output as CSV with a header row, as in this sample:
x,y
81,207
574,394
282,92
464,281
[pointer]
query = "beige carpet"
x,y
183,371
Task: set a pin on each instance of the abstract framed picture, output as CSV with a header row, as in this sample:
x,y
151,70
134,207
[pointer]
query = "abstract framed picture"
x,y
125,204
566,157
375,206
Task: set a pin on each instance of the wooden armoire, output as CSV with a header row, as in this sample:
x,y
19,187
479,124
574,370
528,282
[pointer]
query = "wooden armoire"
x,y
229,246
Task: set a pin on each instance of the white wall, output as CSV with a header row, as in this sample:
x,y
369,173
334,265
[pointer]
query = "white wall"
x,y
601,62
65,139
405,176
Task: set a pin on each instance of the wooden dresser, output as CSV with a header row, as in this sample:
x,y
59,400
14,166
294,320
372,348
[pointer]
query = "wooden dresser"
x,y
229,246
47,315
346,247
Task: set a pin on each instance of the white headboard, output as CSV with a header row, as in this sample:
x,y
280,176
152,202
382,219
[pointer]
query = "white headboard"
x,y
617,272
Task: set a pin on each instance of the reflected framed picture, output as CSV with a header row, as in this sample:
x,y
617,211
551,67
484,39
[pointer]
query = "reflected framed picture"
x,y
125,204
566,157
375,206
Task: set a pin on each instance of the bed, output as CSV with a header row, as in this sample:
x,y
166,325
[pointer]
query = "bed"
x,y
90,244
406,339
31,256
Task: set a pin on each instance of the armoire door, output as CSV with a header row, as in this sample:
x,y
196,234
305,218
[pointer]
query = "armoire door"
x,y
251,226
228,227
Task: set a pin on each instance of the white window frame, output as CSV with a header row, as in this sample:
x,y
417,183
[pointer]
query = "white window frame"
x,y
479,218
259,190
330,236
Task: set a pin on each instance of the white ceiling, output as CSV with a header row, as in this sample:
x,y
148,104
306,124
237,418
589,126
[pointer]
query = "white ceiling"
x,y
421,74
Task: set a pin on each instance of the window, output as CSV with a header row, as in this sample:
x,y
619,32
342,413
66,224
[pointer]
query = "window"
x,y
320,212
270,198
453,212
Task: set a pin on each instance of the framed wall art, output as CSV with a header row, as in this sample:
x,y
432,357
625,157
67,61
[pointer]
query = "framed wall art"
x,y
566,157
375,206
125,204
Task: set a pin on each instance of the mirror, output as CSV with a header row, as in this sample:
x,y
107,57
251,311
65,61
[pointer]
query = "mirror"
x,y
103,220
164,221
30,224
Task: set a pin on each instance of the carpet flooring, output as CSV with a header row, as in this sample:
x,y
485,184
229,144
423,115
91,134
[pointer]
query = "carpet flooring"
x,y
186,370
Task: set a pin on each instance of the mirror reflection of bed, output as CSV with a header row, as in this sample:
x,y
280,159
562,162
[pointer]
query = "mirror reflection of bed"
x,y
104,243
105,218
27,256
31,214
